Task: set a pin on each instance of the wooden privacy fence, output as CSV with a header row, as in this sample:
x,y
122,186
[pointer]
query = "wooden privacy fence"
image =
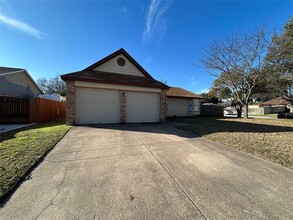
x,y
42,110
16,110
13,110
212,110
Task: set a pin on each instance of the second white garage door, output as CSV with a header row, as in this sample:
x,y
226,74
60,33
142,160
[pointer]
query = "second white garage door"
x,y
142,107
94,106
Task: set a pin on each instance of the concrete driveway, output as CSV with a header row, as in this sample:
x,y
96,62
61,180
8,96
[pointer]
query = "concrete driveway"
x,y
150,172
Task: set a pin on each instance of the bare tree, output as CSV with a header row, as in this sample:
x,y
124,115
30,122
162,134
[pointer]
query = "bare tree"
x,y
53,85
164,81
237,61
43,84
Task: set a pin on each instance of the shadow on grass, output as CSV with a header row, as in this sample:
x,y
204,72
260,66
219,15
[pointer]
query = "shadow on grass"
x,y
29,159
209,125
11,134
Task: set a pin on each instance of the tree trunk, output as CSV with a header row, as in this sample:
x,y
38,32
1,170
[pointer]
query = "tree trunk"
x,y
245,111
239,111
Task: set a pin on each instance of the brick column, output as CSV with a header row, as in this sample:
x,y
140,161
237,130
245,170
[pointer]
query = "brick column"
x,y
122,106
70,102
163,106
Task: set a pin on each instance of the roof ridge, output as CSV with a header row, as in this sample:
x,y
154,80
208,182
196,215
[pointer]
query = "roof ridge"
x,y
116,53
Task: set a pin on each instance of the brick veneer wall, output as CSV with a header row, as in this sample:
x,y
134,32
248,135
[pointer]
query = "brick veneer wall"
x,y
163,106
122,106
70,102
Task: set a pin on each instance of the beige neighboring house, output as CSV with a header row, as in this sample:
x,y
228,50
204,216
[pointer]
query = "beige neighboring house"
x,y
54,97
279,101
15,82
115,89
182,103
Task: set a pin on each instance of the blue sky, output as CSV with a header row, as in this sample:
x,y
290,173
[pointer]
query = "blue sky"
x,y
166,37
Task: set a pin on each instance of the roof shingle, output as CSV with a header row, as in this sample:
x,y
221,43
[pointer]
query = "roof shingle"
x,y
4,70
182,93
276,101
113,78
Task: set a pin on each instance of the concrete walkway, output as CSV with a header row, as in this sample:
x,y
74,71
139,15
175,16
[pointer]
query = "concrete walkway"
x,y
10,127
150,172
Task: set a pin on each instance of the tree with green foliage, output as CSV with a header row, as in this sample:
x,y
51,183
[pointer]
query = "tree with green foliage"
x,y
280,63
210,97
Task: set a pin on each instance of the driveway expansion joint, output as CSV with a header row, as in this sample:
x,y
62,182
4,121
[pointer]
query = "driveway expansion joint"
x,y
174,179
176,174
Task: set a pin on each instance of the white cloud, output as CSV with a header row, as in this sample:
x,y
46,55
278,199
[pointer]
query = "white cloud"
x,y
155,23
19,25
204,91
125,11
192,80
148,61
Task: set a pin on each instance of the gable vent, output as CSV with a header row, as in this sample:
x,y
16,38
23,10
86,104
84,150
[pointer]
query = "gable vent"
x,y
121,61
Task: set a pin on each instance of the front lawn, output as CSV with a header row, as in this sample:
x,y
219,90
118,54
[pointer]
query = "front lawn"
x,y
270,139
20,150
273,116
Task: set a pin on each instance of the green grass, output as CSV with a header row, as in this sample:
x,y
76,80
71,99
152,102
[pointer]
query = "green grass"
x,y
269,139
20,150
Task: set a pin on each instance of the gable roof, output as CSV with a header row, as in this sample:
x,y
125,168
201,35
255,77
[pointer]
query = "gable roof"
x,y
8,70
182,93
11,70
276,101
113,78
118,52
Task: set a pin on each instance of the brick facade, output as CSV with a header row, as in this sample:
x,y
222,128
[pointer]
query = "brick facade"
x,y
122,106
70,102
163,104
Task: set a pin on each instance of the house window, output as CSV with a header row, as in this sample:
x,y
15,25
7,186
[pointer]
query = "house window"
x,y
196,105
193,105
190,105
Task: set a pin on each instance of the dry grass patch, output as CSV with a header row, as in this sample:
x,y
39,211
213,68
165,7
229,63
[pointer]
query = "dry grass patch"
x,y
266,138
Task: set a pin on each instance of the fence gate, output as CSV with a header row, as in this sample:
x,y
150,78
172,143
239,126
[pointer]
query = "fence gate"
x,y
13,110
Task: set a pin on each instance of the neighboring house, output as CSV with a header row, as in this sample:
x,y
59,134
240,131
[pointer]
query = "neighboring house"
x,y
18,83
280,101
54,97
225,102
182,102
115,89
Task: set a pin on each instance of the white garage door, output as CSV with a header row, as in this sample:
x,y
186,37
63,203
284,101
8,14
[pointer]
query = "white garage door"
x,y
142,107
177,107
94,106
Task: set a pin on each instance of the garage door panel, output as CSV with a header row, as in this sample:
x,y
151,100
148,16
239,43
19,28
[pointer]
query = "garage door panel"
x,y
177,107
94,106
142,107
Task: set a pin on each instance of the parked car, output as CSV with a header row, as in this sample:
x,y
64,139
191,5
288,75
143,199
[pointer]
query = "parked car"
x,y
285,115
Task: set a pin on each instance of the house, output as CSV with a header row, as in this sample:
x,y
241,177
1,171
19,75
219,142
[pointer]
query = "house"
x,y
115,89
54,97
279,101
18,83
182,102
